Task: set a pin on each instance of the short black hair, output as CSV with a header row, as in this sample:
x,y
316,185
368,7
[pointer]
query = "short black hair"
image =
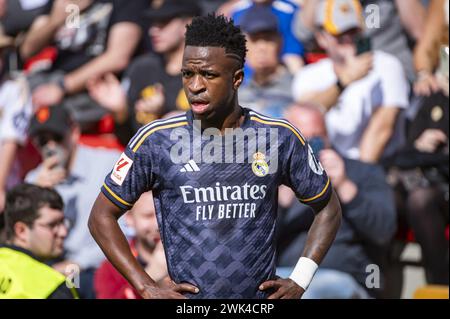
x,y
217,31
23,203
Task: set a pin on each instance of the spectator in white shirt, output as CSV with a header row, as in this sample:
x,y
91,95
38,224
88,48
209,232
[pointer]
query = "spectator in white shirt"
x,y
362,91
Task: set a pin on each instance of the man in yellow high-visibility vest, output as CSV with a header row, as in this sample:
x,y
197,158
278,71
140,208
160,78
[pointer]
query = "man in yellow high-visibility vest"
x,y
35,229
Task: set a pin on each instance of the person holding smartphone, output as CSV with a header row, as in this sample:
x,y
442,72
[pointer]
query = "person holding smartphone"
x,y
50,138
74,170
363,91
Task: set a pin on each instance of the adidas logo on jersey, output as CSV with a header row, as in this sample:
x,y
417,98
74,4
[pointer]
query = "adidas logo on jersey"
x,y
190,166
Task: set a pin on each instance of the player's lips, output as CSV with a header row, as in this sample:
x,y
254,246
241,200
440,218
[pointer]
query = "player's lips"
x,y
199,106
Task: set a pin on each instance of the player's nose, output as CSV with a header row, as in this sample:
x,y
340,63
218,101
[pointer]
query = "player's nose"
x,y
196,84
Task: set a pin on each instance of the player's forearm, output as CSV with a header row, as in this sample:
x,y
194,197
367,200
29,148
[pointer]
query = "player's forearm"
x,y
105,229
323,231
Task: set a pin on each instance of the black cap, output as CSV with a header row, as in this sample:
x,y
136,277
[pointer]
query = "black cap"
x,y
55,119
173,9
259,18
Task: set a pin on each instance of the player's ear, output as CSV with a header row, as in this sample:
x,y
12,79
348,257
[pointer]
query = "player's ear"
x,y
238,78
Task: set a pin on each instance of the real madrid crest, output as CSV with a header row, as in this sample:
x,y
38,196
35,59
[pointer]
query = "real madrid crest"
x,y
259,165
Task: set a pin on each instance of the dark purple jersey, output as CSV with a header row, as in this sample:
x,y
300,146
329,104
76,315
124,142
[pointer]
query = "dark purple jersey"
x,y
216,196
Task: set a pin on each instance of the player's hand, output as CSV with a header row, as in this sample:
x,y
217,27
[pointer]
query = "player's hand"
x,y
50,174
354,68
430,140
284,289
168,289
108,93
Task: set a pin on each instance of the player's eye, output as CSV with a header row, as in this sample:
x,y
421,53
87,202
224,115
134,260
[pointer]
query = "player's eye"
x,y
186,73
209,75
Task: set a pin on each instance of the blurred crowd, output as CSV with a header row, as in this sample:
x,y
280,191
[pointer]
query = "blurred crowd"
x,y
365,81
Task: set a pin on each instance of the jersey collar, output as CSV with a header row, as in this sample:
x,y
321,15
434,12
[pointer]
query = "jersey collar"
x,y
245,111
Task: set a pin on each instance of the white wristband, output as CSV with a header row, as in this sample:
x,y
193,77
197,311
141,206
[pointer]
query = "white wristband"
x,y
304,272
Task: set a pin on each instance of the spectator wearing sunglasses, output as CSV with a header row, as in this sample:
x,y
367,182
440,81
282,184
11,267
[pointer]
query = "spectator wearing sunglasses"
x,y
76,171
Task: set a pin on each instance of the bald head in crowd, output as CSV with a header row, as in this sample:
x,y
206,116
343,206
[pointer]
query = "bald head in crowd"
x,y
308,119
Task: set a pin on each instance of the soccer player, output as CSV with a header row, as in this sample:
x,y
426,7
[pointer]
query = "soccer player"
x,y
217,217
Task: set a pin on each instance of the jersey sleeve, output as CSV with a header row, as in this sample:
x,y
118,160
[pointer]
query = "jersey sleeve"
x,y
304,174
132,175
